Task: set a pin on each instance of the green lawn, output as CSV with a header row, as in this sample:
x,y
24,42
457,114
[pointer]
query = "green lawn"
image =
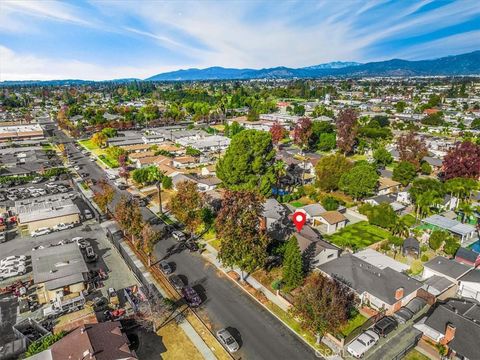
x,y
296,204
352,324
100,153
415,355
359,236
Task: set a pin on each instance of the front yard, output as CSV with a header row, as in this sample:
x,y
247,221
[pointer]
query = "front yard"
x,y
352,324
100,153
359,236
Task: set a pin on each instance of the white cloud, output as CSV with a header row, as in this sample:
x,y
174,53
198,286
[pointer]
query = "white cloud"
x,y
14,66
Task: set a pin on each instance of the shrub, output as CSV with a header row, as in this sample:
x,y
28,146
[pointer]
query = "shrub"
x,y
424,258
330,203
276,284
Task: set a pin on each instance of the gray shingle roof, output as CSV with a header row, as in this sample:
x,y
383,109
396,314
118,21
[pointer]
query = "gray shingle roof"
x,y
363,277
466,254
460,314
447,267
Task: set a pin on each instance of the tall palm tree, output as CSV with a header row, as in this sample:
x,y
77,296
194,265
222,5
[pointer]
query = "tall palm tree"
x,y
156,176
400,228
426,201
466,209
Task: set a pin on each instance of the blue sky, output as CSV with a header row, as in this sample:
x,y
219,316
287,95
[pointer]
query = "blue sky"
x,y
42,39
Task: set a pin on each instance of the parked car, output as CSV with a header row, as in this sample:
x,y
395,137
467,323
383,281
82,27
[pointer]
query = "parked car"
x,y
165,267
385,326
13,257
3,237
40,231
38,247
178,235
228,340
63,226
192,246
358,347
11,272
90,254
12,264
176,281
37,180
87,214
191,296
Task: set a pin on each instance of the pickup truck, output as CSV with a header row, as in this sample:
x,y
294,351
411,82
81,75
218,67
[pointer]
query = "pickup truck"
x,y
63,226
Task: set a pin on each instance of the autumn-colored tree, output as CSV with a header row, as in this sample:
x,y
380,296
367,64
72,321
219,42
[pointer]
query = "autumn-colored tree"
x,y
104,196
330,169
278,132
129,217
411,149
149,238
347,127
187,205
99,139
243,242
462,161
302,132
323,304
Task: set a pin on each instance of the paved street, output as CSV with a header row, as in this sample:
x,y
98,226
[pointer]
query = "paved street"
x,y
262,335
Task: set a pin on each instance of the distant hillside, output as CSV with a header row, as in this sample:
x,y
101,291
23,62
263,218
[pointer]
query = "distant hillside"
x,y
465,64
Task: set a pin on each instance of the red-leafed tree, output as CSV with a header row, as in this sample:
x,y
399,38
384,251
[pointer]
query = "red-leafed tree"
x,y
411,149
323,304
347,127
278,132
302,132
462,161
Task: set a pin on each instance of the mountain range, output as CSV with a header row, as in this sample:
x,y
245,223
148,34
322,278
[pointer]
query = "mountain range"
x,y
464,64
455,65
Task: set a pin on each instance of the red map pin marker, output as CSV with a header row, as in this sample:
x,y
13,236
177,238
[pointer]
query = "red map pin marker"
x,y
299,219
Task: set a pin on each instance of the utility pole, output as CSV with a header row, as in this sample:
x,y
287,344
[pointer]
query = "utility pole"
x,y
159,191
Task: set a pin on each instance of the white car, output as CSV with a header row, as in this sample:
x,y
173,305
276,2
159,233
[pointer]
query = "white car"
x,y
92,159
358,347
51,185
39,247
37,180
12,258
11,272
62,226
12,264
76,167
88,214
40,231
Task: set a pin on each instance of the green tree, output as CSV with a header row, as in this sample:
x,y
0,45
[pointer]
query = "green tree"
x,y
247,164
243,242
330,169
425,168
109,132
382,157
451,246
437,238
292,265
192,151
404,173
330,203
426,201
327,142
400,106
359,182
422,185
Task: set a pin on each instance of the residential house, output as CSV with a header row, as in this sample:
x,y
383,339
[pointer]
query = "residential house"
x,y
314,212
274,219
440,287
447,268
465,232
380,260
387,186
315,250
58,271
467,257
100,341
386,199
469,285
332,221
456,325
180,162
381,288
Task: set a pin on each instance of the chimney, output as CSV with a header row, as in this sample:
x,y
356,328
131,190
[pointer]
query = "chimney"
x,y
399,293
449,334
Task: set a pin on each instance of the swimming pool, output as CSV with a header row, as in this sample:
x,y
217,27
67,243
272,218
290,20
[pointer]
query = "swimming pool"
x,y
475,246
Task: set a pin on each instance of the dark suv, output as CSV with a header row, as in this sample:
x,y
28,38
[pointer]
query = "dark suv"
x,y
385,326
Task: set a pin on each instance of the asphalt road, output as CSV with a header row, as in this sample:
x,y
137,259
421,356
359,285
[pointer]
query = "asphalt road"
x,y
262,336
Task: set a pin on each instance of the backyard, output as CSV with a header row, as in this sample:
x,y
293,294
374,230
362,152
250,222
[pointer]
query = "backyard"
x,y
359,236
